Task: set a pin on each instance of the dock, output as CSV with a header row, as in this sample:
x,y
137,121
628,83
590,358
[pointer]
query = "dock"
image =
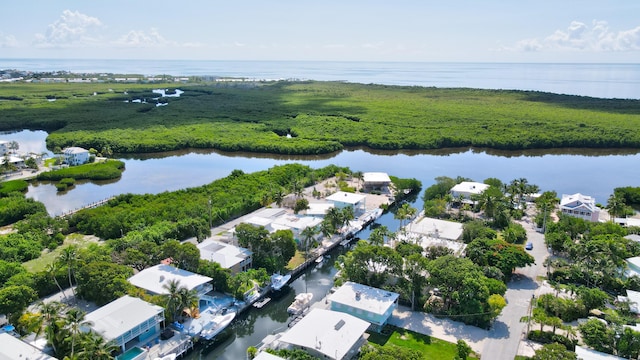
x,y
88,206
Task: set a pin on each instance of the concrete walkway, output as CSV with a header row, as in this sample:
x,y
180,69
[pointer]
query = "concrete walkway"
x,y
444,329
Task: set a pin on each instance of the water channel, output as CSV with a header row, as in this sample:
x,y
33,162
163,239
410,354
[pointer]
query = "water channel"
x,y
591,172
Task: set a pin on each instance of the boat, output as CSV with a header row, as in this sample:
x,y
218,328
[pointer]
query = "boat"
x,y
301,302
171,356
319,260
261,303
219,323
279,281
345,242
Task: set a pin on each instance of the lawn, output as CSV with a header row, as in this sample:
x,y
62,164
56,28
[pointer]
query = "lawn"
x,y
49,257
296,260
430,347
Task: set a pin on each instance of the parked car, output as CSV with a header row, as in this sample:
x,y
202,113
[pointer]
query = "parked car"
x,y
529,246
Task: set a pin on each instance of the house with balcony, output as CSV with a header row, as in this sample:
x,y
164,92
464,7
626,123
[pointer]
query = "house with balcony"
x,y
580,206
342,199
365,302
327,334
235,258
127,321
75,155
156,279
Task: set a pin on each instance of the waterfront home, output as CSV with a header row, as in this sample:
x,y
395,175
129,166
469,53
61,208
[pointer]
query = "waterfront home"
x,y
467,190
379,181
343,199
584,353
365,302
14,348
236,259
75,155
155,279
263,355
296,224
13,160
127,321
327,334
629,222
580,206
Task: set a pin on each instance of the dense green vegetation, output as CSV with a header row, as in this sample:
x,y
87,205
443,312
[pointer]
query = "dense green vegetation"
x,y
10,186
110,169
319,117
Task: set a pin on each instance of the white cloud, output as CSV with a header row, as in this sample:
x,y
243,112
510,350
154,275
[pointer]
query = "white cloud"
x,y
583,37
8,41
71,29
139,38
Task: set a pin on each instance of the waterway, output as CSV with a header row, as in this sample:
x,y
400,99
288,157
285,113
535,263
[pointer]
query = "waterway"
x,y
590,172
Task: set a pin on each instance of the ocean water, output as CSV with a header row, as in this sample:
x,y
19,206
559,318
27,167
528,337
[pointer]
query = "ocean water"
x,y
595,80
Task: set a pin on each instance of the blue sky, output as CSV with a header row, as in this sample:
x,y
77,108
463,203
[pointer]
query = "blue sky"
x,y
345,30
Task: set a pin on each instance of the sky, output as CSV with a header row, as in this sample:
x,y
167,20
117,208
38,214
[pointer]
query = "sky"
x,y
586,31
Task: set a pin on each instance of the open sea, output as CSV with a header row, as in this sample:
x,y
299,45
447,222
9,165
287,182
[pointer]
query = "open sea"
x,y
595,80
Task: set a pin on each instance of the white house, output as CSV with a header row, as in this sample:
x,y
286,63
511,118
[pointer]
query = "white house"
x,y
234,258
13,160
296,224
327,334
343,199
127,321
75,155
376,181
468,189
633,267
155,278
13,348
584,353
633,297
367,303
580,206
427,232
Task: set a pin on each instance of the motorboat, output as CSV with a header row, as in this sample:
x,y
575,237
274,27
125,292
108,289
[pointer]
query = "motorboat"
x,y
302,301
219,323
171,356
279,281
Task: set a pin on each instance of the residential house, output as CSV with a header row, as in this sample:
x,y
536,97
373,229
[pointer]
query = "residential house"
x,y
156,279
633,266
628,222
75,155
263,355
343,199
580,206
13,348
467,190
296,224
376,181
367,303
584,353
13,160
327,334
427,232
127,321
633,298
235,258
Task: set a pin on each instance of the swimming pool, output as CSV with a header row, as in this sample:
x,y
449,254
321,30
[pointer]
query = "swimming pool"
x,y
135,353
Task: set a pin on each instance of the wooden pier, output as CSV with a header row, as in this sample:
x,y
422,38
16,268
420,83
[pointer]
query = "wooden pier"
x,y
88,206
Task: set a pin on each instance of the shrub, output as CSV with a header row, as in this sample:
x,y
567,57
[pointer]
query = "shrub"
x,y
547,337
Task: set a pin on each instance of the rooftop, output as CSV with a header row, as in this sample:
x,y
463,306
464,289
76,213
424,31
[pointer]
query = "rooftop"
x,y
470,187
154,278
375,177
346,197
329,332
578,198
364,297
437,229
74,150
13,348
584,353
121,315
226,255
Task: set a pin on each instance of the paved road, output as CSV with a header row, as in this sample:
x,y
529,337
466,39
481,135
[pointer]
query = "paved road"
x,y
507,332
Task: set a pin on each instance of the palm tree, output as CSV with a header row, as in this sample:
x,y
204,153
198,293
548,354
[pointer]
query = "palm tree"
x,y
403,213
51,270
358,175
74,323
173,297
615,205
49,312
278,195
188,299
378,235
95,347
308,235
69,257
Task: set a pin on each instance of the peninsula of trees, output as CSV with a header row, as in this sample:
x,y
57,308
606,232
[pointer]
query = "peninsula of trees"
x,y
312,117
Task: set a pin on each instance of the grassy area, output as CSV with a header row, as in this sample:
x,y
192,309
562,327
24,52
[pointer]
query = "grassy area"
x,y
315,117
111,169
49,257
296,260
430,347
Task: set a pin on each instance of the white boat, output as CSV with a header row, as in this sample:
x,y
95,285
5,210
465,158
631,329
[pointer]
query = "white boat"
x,y
319,260
219,323
167,357
301,302
344,242
261,303
279,281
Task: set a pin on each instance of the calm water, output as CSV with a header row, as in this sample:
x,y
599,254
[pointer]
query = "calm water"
x,y
589,172
597,80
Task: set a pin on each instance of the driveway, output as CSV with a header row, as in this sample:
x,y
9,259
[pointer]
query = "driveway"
x,y
507,331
